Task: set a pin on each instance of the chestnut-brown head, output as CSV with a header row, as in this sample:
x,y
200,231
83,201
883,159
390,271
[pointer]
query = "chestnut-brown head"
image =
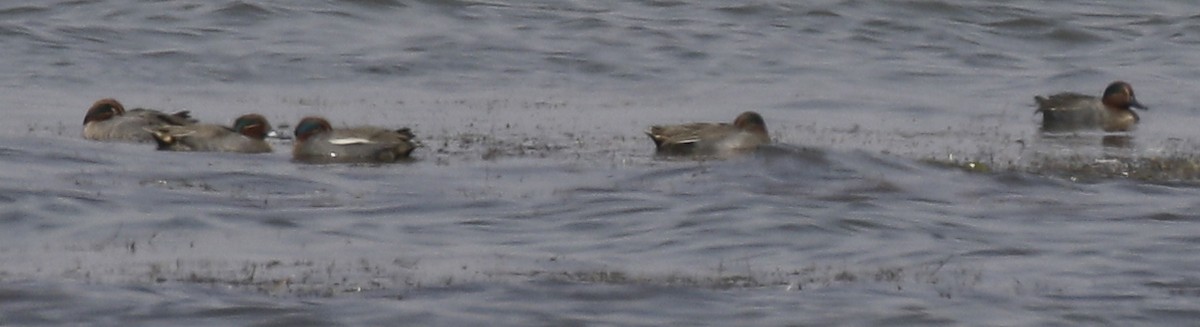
x,y
104,109
252,125
751,122
310,126
1120,95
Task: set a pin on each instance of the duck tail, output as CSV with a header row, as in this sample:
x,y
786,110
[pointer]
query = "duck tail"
x,y
655,134
407,132
162,137
183,117
1042,104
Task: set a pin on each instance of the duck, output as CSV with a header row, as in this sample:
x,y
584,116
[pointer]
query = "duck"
x,y
1111,112
318,142
747,132
108,121
248,135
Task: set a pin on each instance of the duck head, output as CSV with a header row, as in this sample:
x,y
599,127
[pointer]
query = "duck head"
x,y
751,122
310,126
1120,95
252,125
104,109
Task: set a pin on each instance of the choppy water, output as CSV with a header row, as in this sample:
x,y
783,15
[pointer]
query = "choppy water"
x,y
908,185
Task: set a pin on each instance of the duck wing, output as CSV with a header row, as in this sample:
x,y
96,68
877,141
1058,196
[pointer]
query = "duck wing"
x,y
668,135
1061,100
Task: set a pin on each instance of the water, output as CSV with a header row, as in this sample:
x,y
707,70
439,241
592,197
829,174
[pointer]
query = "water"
x,y
908,184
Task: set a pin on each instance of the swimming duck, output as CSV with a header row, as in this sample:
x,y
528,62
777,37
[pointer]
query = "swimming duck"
x,y
317,141
1073,111
746,133
246,136
107,120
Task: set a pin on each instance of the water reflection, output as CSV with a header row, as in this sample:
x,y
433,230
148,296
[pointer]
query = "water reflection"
x,y
1078,140
1124,141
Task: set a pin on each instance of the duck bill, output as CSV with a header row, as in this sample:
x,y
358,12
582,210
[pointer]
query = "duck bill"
x,y
1133,103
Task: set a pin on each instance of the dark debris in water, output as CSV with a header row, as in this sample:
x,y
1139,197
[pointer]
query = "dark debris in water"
x,y
492,147
932,274
305,278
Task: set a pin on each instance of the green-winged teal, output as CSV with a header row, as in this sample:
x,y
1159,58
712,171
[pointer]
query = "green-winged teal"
x,y
746,133
317,141
107,120
1112,112
246,136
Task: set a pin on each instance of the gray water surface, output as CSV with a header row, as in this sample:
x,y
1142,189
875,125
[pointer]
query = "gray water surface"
x,y
908,183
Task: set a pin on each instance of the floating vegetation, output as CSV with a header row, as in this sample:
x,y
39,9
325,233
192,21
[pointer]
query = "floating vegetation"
x,y
934,274
306,278
1179,168
898,278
